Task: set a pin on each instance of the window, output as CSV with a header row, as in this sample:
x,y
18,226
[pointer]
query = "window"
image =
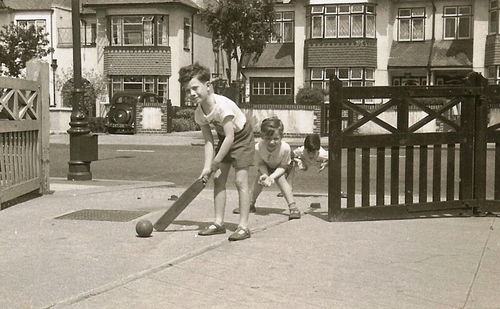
x,y
354,77
283,27
494,74
154,84
37,23
342,21
88,34
411,24
457,22
187,33
282,88
139,30
493,22
261,88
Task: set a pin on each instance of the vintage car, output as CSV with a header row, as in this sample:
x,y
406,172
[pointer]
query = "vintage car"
x,y
121,117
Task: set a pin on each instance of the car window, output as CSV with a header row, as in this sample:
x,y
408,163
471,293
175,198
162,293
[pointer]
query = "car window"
x,y
126,100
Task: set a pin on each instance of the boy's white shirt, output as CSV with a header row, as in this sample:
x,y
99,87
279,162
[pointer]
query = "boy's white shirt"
x,y
281,155
301,153
223,107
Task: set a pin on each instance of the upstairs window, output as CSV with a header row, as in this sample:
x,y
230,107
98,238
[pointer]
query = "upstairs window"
x,y
283,27
411,24
342,21
457,22
493,20
187,33
139,30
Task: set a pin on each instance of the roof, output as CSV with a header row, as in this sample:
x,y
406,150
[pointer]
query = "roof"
x,y
410,54
189,3
38,5
274,56
455,53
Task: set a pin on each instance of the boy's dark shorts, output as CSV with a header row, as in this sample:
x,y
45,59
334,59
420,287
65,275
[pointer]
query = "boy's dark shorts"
x,y
242,152
288,169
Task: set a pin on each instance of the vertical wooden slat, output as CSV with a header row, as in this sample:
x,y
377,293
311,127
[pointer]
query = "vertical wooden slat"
x,y
17,156
422,177
394,175
351,177
380,176
365,177
497,171
3,181
10,157
436,173
409,174
450,173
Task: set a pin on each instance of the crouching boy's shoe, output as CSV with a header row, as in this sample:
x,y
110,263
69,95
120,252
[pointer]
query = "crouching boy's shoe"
x,y
240,234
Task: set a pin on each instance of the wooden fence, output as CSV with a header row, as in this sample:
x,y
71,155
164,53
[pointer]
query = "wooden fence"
x,y
24,133
404,171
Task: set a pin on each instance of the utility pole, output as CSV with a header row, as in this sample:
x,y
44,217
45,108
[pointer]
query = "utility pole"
x,y
82,144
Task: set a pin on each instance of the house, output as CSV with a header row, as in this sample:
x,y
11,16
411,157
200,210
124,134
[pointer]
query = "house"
x,y
129,45
370,42
136,44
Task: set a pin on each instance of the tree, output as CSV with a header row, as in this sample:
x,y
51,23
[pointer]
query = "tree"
x,y
18,45
240,27
94,85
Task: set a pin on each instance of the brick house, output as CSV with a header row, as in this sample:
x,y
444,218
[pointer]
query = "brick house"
x,y
370,42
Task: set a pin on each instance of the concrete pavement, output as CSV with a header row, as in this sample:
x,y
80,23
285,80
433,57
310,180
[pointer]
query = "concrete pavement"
x,y
78,262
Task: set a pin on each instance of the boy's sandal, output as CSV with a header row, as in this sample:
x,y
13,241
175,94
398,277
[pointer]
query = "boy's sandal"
x,y
213,229
240,234
294,213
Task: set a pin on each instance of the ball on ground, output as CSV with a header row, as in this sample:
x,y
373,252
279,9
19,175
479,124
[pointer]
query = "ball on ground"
x,y
144,228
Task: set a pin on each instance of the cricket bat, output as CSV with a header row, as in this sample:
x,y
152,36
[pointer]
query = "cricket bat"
x,y
179,205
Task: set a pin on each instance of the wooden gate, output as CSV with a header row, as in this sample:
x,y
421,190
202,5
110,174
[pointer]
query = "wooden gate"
x,y
24,133
412,152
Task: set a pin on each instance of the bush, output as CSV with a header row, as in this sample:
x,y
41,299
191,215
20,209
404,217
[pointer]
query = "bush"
x,y
310,96
183,125
97,124
186,113
183,120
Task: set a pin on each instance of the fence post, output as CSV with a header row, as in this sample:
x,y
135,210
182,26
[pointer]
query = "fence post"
x,y
480,141
38,71
335,149
169,116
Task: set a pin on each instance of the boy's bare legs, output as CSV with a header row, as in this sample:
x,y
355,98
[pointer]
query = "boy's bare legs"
x,y
220,180
256,190
241,183
286,189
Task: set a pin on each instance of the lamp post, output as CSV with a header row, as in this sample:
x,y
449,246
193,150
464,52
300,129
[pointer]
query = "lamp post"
x,y
82,144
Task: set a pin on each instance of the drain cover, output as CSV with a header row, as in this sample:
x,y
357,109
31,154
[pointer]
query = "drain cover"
x,y
103,215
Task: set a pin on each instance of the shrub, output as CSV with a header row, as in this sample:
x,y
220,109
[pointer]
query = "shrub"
x,y
97,124
183,125
310,96
186,113
183,120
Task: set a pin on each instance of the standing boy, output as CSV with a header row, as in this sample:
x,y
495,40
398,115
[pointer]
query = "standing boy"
x,y
274,164
235,147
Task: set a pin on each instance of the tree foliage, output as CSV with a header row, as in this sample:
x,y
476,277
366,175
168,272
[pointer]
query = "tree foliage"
x,y
240,27
18,45
94,85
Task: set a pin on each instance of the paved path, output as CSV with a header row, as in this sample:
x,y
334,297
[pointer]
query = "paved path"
x,y
308,263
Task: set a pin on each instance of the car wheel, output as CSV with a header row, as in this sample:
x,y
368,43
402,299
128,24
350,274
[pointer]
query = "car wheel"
x,y
121,116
